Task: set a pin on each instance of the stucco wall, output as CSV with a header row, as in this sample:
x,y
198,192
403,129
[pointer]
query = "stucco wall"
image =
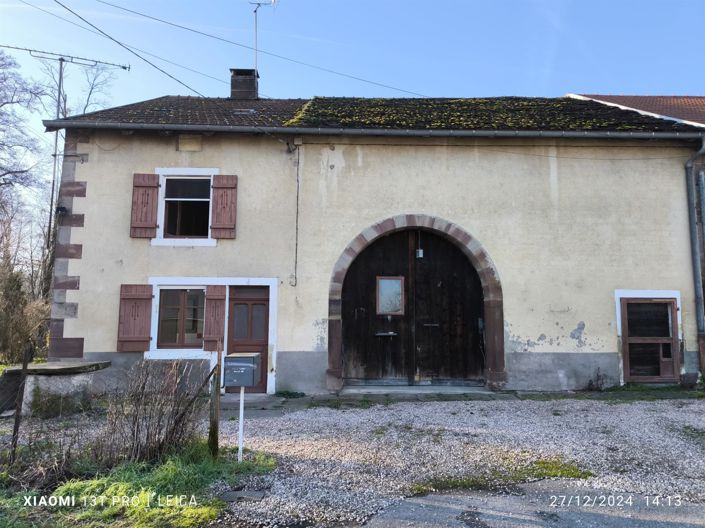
x,y
566,222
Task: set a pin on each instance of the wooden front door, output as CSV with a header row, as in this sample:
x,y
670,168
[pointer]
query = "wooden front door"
x,y
248,327
412,313
650,349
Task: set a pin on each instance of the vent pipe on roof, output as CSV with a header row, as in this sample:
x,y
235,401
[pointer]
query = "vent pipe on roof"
x,y
243,84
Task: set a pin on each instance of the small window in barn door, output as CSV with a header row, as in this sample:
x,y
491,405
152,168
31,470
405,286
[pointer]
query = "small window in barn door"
x,y
390,295
650,339
181,316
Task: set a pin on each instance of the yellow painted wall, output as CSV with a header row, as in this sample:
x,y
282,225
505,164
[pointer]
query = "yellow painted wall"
x,y
566,222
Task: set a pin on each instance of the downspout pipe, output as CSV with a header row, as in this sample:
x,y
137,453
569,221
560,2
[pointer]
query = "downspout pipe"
x,y
695,252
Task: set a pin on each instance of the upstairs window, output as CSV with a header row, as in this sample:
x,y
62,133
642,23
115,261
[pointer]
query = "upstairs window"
x,y
181,318
184,206
187,207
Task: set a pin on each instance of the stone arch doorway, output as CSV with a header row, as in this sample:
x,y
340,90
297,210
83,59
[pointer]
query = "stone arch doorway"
x,y
493,364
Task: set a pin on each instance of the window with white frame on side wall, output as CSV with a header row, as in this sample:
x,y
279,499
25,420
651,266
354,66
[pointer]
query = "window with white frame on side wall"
x,y
184,206
649,325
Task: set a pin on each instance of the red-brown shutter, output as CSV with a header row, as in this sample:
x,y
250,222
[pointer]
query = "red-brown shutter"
x,y
135,322
145,198
214,323
224,207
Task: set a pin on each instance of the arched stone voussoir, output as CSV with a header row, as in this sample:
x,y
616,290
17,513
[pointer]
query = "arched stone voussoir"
x,y
473,250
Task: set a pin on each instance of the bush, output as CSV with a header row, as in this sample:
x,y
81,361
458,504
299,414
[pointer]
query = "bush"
x,y
158,410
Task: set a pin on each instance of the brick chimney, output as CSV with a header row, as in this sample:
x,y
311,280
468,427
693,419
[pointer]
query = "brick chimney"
x,y
243,84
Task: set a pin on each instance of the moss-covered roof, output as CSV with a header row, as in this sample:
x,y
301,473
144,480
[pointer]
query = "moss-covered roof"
x,y
481,114
494,113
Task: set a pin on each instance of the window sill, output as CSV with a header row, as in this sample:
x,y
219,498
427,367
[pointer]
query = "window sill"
x,y
178,353
184,242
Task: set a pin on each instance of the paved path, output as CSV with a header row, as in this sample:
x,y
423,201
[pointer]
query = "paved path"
x,y
539,505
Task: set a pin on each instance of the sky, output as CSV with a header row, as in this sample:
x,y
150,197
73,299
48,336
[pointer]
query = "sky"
x,y
449,48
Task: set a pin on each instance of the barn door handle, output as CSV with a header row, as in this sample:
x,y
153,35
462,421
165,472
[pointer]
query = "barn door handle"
x,y
385,334
431,324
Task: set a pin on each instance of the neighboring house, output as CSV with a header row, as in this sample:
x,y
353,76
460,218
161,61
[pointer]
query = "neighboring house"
x,y
688,109
526,243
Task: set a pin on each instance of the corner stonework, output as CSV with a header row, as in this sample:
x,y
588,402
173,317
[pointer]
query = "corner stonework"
x,y
61,347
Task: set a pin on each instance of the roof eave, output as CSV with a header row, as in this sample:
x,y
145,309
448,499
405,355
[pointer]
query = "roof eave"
x,y
52,125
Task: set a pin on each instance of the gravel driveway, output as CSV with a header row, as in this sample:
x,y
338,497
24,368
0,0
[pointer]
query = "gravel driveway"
x,y
341,467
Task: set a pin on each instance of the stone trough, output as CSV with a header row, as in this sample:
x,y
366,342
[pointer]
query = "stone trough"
x,y
53,388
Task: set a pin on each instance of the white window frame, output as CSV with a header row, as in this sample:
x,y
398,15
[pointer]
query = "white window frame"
x,y
179,283
647,294
186,173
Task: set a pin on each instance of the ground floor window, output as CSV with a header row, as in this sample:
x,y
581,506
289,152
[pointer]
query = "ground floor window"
x,y
649,339
181,314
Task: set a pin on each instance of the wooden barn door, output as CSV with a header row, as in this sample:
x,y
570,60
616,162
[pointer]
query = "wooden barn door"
x,y
412,310
248,327
448,311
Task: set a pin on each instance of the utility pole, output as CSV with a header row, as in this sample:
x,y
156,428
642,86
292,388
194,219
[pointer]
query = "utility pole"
x,y
62,59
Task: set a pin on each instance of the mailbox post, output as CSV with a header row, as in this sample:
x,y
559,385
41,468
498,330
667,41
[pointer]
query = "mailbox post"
x,y
241,370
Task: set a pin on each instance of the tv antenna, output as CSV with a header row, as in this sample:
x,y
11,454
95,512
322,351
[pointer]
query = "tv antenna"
x,y
60,96
257,5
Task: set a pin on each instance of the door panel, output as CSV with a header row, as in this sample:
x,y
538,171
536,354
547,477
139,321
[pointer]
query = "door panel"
x,y
248,327
650,340
376,346
436,339
447,318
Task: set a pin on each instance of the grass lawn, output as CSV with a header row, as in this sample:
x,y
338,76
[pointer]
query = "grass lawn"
x,y
537,470
171,493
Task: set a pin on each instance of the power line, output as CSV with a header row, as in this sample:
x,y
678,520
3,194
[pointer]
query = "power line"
x,y
276,55
130,50
227,110
61,58
130,46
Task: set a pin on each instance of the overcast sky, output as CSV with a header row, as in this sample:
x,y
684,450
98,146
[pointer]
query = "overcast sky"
x,y
436,48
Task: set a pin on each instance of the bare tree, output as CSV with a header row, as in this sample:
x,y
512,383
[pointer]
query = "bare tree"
x,y
93,89
17,147
22,307
97,82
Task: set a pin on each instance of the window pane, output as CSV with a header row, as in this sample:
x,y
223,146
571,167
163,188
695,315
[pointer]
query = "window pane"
x,y
168,326
171,218
169,306
241,312
196,188
649,319
259,321
193,318
644,359
175,318
186,219
666,351
389,296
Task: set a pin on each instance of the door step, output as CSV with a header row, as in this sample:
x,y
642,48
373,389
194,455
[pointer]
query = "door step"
x,y
413,389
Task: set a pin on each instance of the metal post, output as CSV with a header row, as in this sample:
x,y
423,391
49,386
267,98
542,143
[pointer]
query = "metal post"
x,y
256,8
241,432
213,429
56,150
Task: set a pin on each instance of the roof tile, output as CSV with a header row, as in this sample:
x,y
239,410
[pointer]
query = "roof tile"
x,y
493,113
685,107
